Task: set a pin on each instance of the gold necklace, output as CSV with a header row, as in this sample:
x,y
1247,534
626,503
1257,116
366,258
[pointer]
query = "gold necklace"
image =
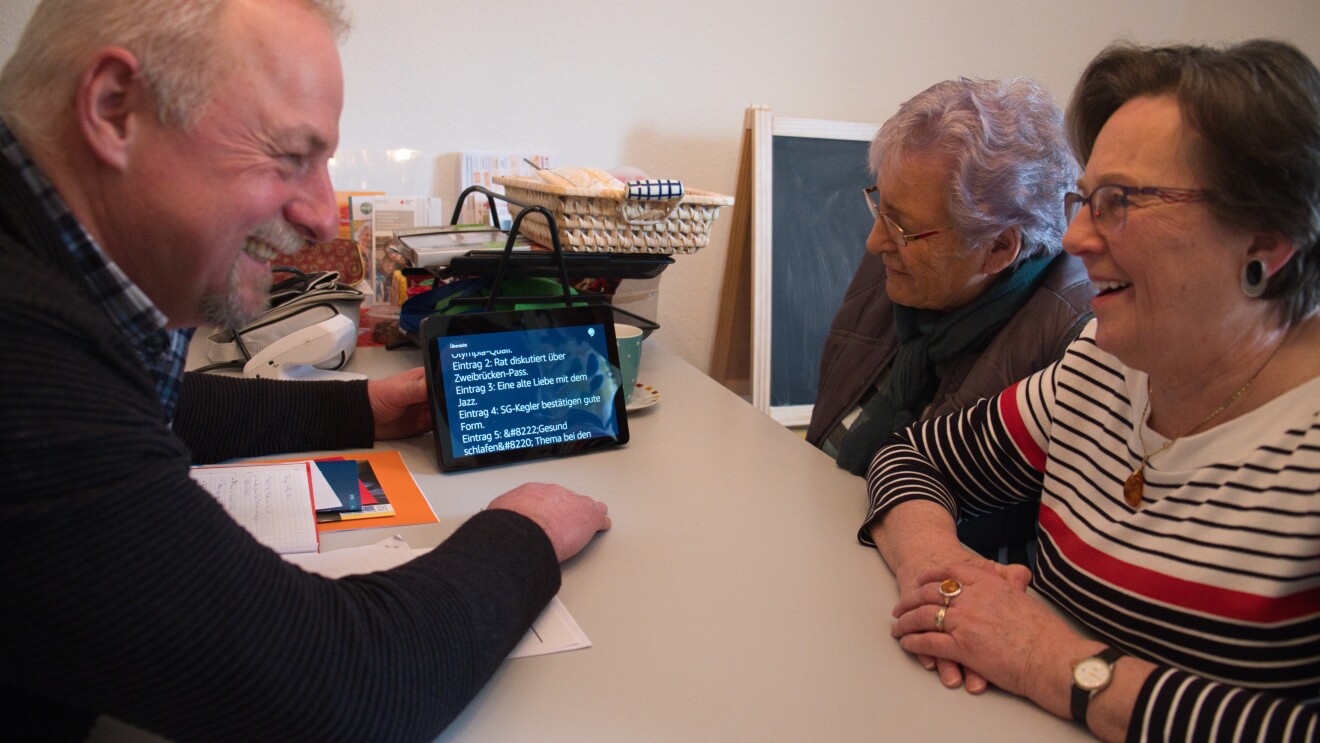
x,y
1134,487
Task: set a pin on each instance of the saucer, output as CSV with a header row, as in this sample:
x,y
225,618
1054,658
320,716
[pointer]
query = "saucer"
x,y
644,396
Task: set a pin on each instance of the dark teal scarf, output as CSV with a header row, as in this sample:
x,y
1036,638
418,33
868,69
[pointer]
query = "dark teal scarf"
x,y
927,338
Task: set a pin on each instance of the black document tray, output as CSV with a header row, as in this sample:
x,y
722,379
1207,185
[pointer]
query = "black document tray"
x,y
578,265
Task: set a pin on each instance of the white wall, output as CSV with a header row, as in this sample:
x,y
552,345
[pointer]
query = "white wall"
x,y
663,85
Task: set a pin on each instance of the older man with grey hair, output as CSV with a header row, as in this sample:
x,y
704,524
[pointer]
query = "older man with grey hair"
x,y
155,156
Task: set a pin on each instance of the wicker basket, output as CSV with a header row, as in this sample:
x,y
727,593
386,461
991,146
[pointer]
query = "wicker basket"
x,y
591,223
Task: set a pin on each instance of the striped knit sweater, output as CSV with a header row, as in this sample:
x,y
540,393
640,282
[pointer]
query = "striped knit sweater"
x,y
1216,578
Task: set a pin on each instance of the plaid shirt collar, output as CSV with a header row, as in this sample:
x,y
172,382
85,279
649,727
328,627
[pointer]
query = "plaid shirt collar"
x,y
162,352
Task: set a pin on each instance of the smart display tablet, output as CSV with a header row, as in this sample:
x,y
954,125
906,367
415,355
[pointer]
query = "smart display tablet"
x,y
512,386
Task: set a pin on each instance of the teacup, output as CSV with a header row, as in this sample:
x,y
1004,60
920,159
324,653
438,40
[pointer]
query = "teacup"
x,y
629,339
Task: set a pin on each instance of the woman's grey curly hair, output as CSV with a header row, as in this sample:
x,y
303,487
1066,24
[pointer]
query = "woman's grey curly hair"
x,y
1011,161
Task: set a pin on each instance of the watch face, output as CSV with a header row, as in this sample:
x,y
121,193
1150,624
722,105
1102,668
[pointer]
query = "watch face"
x,y
1091,674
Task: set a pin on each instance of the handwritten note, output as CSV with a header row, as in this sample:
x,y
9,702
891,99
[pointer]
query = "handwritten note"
x,y
272,501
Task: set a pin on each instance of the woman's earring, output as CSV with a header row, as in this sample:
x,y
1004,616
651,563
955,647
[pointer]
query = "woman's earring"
x,y
1254,278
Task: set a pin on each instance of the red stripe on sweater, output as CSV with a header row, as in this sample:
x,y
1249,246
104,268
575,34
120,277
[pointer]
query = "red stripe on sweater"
x,y
1017,429
1188,595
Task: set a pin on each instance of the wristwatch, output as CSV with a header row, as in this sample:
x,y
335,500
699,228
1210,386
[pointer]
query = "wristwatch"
x,y
1090,677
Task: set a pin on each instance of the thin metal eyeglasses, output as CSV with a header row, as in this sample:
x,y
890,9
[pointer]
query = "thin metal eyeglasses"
x,y
896,233
1109,202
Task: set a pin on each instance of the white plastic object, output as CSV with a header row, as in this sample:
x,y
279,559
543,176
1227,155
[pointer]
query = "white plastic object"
x,y
295,355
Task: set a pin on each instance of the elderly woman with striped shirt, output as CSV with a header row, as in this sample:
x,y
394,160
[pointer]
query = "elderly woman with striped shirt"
x,y
1174,449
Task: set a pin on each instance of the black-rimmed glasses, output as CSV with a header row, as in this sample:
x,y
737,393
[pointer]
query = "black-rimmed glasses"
x,y
897,234
1109,203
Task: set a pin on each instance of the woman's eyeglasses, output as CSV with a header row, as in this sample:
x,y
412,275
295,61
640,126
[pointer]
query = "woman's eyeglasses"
x,y
897,234
1109,203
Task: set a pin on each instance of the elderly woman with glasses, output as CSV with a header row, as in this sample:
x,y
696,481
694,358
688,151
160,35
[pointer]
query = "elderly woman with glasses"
x,y
965,288
1175,449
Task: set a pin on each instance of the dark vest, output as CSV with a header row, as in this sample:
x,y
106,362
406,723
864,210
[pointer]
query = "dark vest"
x,y
862,340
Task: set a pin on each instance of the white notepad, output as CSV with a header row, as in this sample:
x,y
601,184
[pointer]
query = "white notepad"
x,y
272,501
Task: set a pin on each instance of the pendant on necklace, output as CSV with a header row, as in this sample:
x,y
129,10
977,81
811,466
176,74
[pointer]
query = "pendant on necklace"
x,y
1135,486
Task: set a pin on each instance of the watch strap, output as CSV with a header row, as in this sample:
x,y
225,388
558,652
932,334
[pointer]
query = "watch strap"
x,y
1081,698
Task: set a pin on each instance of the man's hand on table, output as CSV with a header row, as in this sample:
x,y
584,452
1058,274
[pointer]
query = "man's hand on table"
x,y
399,405
568,518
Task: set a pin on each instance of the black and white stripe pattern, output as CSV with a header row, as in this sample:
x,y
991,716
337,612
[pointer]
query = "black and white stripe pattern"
x,y
1216,577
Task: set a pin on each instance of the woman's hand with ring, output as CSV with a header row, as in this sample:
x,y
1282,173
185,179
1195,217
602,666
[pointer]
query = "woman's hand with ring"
x,y
987,633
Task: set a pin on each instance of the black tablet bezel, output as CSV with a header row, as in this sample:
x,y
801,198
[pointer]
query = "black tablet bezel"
x,y
436,327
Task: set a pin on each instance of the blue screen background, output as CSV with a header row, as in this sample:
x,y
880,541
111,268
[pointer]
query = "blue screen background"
x,y
517,389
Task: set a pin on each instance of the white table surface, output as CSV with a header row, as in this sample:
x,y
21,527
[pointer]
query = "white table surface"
x,y
729,602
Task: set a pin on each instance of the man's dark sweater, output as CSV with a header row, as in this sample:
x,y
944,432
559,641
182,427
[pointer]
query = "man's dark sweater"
x,y
127,589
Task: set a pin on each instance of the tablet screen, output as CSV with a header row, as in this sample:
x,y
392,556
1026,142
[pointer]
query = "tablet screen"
x,y
511,386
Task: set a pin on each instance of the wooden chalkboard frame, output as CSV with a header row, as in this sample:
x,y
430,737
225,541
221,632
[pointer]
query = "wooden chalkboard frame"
x,y
765,127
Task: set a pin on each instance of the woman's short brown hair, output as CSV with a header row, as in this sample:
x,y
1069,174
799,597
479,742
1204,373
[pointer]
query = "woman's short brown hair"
x,y
1256,106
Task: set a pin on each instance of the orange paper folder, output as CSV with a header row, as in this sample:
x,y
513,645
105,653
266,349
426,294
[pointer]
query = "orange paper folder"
x,y
410,506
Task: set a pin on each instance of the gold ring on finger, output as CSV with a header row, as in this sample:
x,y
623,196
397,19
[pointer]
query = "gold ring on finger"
x,y
949,588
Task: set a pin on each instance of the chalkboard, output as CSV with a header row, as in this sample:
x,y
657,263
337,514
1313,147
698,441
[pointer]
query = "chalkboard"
x,y
817,231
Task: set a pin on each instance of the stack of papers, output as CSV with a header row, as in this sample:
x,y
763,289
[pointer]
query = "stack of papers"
x,y
286,504
280,502
554,631
434,247
346,489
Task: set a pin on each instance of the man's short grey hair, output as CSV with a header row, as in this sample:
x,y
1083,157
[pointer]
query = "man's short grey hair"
x,y
1011,161
173,40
